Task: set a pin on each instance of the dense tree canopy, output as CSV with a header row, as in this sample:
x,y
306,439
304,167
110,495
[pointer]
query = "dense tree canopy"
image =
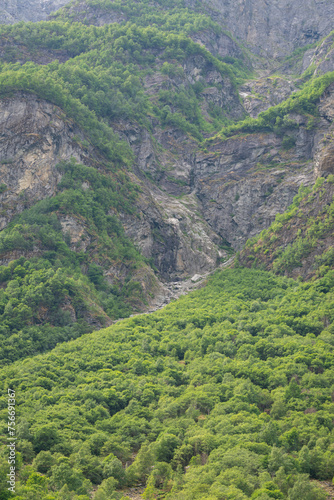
x,y
47,294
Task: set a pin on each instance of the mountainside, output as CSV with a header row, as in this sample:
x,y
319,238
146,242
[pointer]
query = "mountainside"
x,y
159,117
13,11
275,29
300,241
225,394
269,30
142,145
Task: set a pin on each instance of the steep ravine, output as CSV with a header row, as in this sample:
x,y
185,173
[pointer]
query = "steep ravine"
x,y
235,189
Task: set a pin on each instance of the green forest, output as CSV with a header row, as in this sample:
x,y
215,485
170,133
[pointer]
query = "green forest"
x,y
35,288
226,393
102,79
232,384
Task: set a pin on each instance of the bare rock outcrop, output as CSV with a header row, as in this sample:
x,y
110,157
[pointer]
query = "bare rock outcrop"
x,y
259,95
243,182
34,136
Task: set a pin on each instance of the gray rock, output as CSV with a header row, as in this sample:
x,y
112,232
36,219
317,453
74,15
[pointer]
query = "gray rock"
x,y
243,182
196,277
273,29
13,11
34,137
259,95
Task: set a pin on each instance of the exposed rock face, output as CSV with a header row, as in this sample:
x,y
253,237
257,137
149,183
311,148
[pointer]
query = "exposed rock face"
x,y
230,193
13,11
196,68
259,95
274,29
34,136
219,44
313,210
320,59
240,194
245,181
174,234
269,29
93,14
192,201
324,157
166,155
239,185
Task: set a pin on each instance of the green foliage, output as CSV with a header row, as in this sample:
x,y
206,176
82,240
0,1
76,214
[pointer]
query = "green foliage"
x,y
311,216
226,393
232,384
316,230
288,142
36,290
102,81
167,15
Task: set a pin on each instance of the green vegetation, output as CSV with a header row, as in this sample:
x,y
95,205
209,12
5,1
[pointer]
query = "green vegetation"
x,y
144,13
300,51
170,16
297,57
309,224
276,119
103,78
100,83
49,294
226,393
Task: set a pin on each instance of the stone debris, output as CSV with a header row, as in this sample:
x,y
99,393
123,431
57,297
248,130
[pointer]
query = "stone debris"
x,y
196,277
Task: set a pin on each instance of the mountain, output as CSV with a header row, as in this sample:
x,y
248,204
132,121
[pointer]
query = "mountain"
x,y
299,242
268,30
274,29
143,145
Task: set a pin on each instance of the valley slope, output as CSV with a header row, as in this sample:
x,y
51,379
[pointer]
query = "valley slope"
x,y
143,144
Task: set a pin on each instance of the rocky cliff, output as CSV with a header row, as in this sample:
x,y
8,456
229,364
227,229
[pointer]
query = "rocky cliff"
x,y
35,136
269,30
245,181
13,11
274,29
300,242
197,201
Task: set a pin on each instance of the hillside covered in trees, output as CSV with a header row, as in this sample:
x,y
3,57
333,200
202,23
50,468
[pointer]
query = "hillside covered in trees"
x,y
226,393
142,146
